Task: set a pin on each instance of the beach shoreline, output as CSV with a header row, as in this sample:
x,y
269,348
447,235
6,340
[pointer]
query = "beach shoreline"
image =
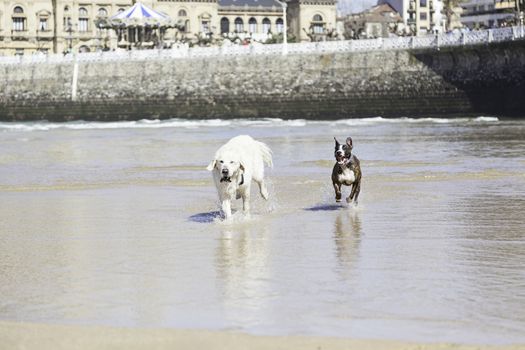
x,y
14,335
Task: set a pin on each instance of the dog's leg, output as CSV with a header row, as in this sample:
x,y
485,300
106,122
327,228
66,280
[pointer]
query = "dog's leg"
x,y
262,189
226,208
349,198
246,203
337,188
356,188
357,191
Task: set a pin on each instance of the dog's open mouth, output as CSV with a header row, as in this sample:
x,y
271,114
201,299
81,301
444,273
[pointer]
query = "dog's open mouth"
x,y
226,179
340,159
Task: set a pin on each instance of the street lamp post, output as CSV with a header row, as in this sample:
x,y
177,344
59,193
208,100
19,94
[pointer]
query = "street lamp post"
x,y
69,31
285,26
519,17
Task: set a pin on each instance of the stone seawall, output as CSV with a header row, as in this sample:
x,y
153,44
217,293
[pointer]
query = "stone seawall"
x,y
476,80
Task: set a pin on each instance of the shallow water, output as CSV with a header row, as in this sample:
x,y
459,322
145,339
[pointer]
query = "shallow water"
x,y
118,224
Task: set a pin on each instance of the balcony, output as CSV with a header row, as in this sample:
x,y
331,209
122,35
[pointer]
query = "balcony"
x,y
85,34
46,35
19,35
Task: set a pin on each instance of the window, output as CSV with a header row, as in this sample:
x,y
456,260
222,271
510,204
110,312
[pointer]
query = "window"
x,y
183,13
19,52
317,24
423,16
67,24
82,24
42,24
252,25
266,25
102,12
225,25
19,24
318,28
423,3
205,22
239,25
19,19
279,25
205,26
83,21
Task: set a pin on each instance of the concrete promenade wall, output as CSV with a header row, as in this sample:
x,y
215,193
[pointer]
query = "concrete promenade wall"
x,y
457,81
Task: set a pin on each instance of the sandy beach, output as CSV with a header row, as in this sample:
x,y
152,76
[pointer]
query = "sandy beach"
x,y
52,337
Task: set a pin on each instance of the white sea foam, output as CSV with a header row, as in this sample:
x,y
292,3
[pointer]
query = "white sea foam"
x,y
486,119
190,124
379,120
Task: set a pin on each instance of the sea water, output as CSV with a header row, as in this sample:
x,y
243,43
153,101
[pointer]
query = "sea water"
x,y
118,224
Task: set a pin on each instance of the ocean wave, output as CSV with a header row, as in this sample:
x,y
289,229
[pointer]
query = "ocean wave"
x,y
381,120
190,124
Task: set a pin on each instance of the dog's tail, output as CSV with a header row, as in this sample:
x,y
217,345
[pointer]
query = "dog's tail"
x,y
266,153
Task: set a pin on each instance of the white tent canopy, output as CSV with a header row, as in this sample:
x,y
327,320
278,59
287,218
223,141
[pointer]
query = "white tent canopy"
x,y
141,15
139,26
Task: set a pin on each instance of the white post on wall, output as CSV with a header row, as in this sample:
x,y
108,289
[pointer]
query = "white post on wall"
x,y
285,26
521,24
74,82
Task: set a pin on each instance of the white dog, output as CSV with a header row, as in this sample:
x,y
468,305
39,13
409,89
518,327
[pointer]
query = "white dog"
x,y
234,166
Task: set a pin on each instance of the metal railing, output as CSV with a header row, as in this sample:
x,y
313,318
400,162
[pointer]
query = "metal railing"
x,y
184,51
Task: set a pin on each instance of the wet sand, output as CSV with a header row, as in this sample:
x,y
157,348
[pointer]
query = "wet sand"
x,y
51,337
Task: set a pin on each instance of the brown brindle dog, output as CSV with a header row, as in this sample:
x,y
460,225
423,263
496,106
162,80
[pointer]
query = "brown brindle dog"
x,y
347,171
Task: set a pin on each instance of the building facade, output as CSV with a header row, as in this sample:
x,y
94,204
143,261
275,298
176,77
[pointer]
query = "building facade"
x,y
488,13
56,26
421,16
380,21
311,19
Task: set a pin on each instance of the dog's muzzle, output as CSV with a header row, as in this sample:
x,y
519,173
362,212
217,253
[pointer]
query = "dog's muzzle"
x,y
228,179
225,176
340,157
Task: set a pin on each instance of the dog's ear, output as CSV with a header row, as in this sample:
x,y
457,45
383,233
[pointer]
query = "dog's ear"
x,y
349,142
241,166
336,143
211,166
